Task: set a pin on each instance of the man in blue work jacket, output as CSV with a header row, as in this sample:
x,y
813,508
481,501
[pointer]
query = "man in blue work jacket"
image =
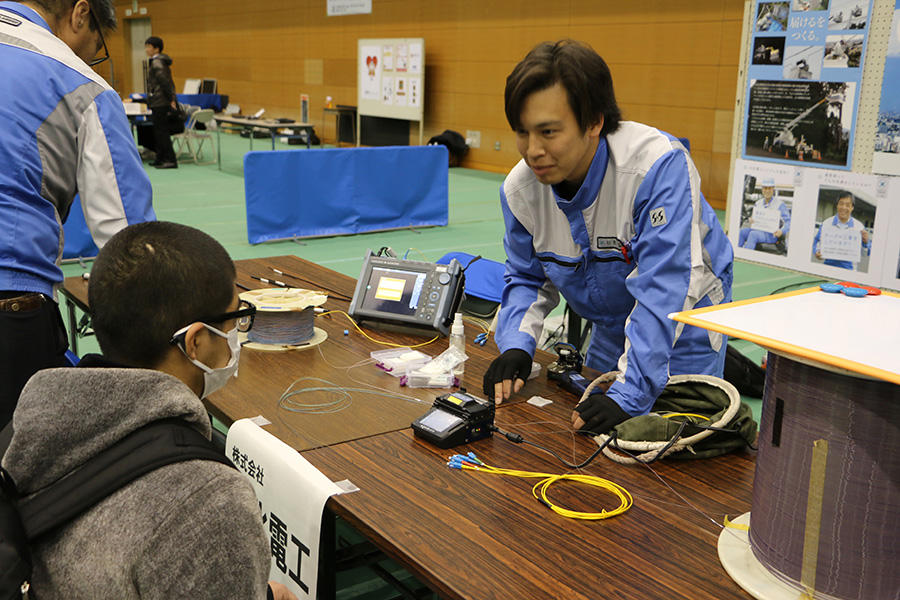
x,y
610,214
750,238
843,221
64,133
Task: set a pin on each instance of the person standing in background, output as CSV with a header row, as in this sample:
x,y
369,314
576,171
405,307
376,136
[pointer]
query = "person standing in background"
x,y
161,99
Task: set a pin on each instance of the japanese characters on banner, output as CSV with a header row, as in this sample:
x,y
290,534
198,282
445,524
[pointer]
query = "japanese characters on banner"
x,y
826,222
887,139
804,79
292,495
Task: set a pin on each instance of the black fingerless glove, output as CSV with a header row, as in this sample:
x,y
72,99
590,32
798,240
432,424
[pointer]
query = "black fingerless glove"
x,y
600,413
512,364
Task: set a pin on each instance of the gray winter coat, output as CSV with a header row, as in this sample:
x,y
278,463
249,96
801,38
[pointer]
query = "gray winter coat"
x,y
187,530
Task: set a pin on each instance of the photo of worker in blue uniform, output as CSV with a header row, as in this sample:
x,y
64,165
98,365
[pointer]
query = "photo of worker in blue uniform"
x,y
768,222
609,213
842,240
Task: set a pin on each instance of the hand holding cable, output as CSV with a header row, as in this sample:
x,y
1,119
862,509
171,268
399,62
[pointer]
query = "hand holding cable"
x,y
598,413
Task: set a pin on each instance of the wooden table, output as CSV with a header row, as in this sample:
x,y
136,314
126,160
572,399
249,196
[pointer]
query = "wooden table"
x,y
265,375
475,535
471,535
270,125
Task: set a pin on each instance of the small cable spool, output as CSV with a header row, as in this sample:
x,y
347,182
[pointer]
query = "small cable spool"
x,y
284,319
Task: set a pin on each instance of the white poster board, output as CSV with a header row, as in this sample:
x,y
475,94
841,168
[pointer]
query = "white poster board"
x,y
391,79
834,223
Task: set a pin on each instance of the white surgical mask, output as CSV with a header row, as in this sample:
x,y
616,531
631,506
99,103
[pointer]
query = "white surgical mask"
x,y
214,379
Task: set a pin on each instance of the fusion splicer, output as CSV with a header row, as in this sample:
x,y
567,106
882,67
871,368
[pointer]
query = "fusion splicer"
x,y
407,295
454,419
566,371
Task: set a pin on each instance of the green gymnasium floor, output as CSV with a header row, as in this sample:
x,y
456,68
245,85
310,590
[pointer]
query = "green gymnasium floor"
x,y
213,200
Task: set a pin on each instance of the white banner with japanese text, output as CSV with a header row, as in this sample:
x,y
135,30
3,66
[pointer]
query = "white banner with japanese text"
x,y
292,495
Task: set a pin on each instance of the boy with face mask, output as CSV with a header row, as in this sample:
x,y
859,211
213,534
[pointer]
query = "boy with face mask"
x,y
166,313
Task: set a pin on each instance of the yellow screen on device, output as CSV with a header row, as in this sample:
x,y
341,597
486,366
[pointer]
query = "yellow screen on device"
x,y
390,288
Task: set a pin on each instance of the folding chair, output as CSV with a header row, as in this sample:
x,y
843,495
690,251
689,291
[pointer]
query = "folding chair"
x,y
194,138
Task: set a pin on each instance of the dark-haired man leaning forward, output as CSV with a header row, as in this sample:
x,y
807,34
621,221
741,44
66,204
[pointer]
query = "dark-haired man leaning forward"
x,y
610,214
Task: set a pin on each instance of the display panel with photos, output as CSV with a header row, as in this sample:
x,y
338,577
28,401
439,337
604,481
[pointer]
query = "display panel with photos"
x,y
825,222
806,64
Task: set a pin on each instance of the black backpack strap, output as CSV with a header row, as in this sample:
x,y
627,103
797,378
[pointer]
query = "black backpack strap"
x,y
144,450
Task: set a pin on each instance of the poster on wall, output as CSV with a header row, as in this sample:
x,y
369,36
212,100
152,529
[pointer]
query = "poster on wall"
x,y
890,274
887,139
370,72
387,57
804,79
387,90
415,58
849,225
392,78
760,229
415,94
826,222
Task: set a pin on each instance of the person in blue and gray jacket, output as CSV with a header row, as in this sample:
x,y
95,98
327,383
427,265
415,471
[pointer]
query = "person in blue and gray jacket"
x,y
64,133
750,238
610,214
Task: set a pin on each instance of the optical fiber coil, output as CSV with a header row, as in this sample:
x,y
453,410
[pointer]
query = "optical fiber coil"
x,y
828,521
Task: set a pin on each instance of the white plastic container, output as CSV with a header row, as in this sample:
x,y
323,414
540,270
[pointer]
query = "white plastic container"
x,y
458,341
397,361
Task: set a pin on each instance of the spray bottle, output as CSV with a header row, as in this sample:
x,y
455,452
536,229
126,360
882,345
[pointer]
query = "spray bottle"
x,y
458,341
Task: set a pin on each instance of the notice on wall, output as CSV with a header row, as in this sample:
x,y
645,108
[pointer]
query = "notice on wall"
x,y
387,90
370,67
401,94
415,58
826,222
339,8
391,78
887,139
402,57
804,80
415,91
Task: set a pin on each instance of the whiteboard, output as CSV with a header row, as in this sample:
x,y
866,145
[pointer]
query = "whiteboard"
x,y
391,78
854,334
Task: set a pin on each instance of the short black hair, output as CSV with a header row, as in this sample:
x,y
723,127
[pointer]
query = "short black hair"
x,y
846,194
152,279
103,10
155,42
581,71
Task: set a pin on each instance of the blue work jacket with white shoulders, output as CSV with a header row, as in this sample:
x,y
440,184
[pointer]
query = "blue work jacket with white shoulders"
x,y
64,133
636,243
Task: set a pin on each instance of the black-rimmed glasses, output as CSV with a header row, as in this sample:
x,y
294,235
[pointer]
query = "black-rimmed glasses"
x,y
105,56
244,315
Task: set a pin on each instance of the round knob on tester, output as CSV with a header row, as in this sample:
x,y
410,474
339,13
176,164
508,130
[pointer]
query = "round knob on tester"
x,y
444,278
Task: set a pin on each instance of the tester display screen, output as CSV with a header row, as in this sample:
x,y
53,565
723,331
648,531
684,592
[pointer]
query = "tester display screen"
x,y
440,421
393,291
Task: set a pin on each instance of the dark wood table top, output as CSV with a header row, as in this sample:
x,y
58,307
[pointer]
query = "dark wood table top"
x,y
265,375
472,535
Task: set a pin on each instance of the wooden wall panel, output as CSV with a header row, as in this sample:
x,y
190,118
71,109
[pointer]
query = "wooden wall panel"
x,y
674,63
